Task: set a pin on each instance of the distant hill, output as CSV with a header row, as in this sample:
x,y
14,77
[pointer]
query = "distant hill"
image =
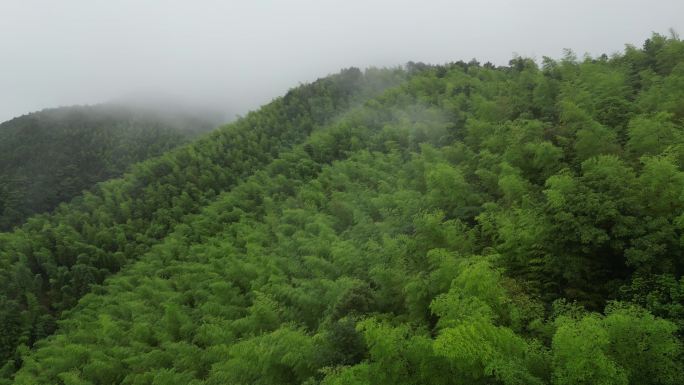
x,y
48,157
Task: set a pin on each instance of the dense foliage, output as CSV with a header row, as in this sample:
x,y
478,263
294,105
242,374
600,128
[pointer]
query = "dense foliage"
x,y
470,224
51,156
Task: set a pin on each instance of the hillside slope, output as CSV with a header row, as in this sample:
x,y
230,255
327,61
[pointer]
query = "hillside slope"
x,y
51,156
471,225
47,264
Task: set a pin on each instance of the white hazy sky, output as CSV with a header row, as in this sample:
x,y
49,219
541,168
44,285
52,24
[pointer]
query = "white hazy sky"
x,y
236,55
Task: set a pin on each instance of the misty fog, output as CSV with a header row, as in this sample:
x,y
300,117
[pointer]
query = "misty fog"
x,y
229,57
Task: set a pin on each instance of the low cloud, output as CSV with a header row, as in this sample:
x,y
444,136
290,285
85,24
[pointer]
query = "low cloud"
x,y
231,56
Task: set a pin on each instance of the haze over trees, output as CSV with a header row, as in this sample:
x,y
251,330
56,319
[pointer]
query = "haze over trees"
x,y
51,156
452,224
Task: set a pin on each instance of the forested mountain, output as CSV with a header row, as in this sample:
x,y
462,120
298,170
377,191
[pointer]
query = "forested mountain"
x,y
452,224
51,156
